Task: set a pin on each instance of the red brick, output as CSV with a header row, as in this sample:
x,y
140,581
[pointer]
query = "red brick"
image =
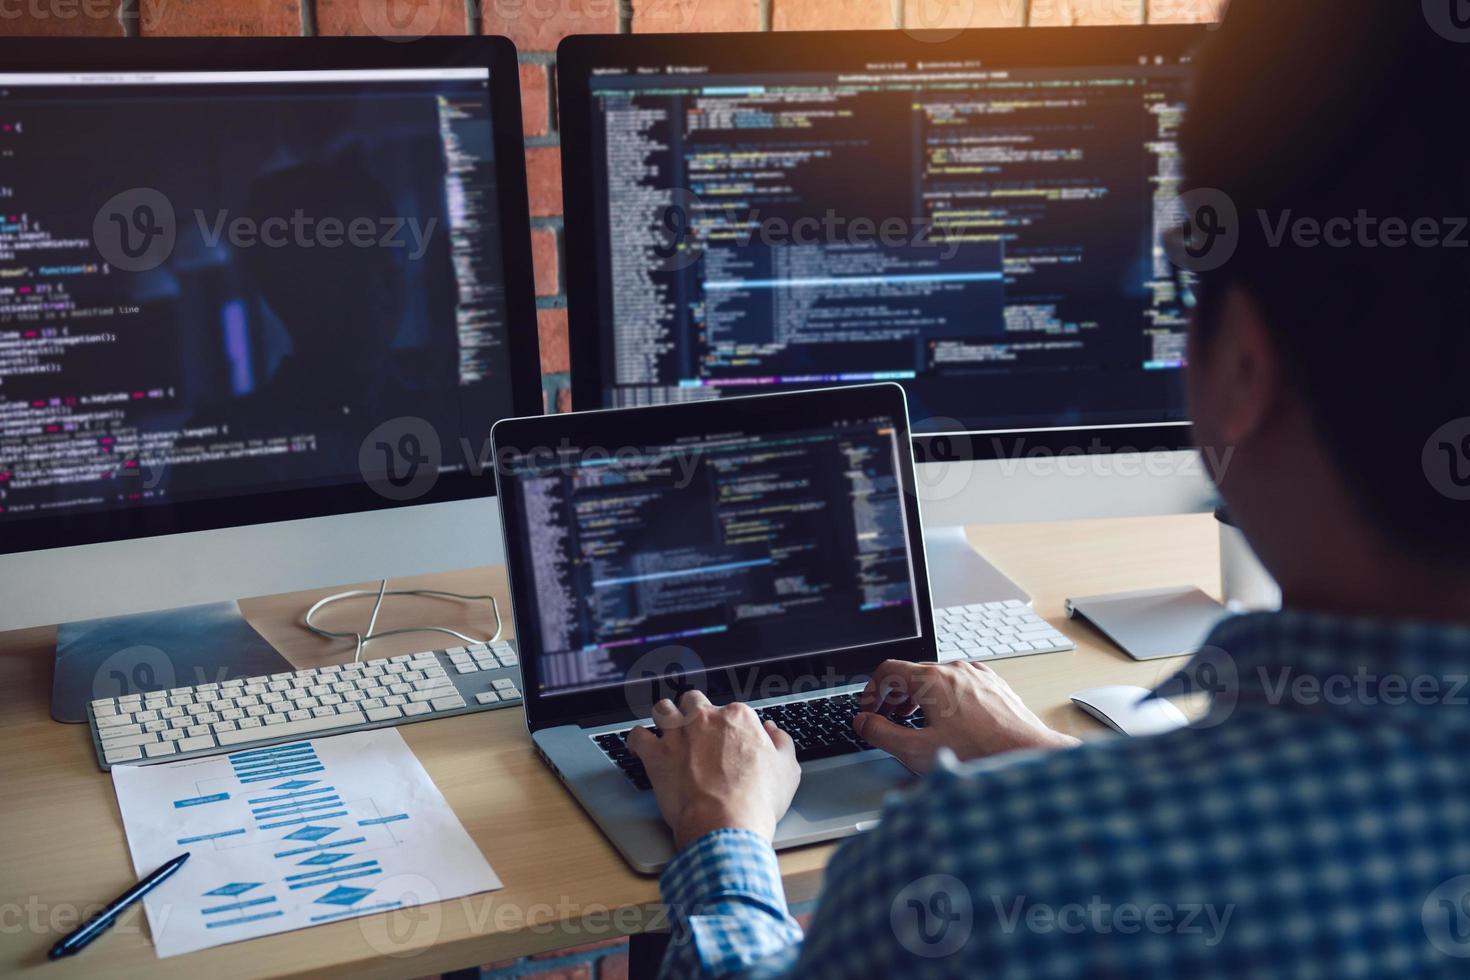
x,y
391,18
539,25
582,972
535,101
60,18
682,16
613,967
1185,11
544,258
1069,13
563,406
232,18
543,180
945,17
551,328
831,15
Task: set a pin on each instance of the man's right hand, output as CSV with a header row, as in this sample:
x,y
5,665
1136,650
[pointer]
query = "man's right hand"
x,y
967,709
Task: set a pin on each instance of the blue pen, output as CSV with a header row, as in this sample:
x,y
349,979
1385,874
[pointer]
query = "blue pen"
x,y
78,939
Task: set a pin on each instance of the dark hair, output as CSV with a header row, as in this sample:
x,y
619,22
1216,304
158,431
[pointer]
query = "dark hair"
x,y
1324,109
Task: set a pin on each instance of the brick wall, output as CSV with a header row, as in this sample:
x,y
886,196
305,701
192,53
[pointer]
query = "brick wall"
x,y
536,26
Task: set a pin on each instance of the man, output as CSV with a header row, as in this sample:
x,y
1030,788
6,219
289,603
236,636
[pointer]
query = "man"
x,y
1317,822
342,304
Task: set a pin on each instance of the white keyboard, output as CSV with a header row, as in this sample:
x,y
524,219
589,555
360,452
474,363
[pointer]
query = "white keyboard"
x,y
185,722
995,631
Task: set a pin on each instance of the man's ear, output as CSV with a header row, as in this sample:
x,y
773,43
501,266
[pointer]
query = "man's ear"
x,y
1241,370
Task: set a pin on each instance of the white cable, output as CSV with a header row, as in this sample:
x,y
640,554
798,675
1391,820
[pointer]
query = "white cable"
x,y
363,639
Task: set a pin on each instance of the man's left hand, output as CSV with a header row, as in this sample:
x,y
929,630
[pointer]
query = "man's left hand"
x,y
716,768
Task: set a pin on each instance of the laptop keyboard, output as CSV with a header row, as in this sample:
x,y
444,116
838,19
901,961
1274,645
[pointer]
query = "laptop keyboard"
x,y
820,727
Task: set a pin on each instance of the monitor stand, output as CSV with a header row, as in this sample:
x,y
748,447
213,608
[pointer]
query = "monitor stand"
x,y
958,576
145,652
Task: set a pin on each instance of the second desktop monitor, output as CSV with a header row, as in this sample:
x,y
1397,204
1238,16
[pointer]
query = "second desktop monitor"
x,y
980,219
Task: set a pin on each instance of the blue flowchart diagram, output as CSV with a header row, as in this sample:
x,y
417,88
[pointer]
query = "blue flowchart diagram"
x,y
292,835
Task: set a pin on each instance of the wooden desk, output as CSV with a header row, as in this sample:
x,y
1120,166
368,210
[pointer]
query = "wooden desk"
x,y
62,849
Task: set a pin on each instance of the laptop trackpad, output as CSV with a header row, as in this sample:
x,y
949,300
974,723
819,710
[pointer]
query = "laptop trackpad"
x,y
842,792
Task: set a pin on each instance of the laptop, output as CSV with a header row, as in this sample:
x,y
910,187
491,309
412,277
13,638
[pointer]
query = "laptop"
x,y
764,549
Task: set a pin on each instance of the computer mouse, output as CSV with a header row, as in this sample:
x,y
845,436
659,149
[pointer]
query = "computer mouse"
x,y
1122,708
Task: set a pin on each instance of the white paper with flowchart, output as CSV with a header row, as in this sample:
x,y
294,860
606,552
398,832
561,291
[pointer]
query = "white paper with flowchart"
x,y
293,835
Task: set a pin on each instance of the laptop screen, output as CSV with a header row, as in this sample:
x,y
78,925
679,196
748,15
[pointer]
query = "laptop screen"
x,y
746,545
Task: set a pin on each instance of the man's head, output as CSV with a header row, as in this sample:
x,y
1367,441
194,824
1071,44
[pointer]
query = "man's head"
x,y
340,296
1335,341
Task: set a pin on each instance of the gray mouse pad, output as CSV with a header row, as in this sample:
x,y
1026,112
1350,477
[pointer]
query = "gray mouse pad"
x,y
1153,623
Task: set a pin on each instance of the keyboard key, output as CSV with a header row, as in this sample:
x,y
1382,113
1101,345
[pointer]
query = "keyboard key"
x,y
487,697
384,713
123,741
415,708
449,703
114,756
195,743
292,728
160,748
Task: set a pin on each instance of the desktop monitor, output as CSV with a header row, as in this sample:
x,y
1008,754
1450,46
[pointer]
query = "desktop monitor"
x,y
980,218
260,303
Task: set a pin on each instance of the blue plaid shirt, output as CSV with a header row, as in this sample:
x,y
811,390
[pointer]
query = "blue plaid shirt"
x,y
1316,823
